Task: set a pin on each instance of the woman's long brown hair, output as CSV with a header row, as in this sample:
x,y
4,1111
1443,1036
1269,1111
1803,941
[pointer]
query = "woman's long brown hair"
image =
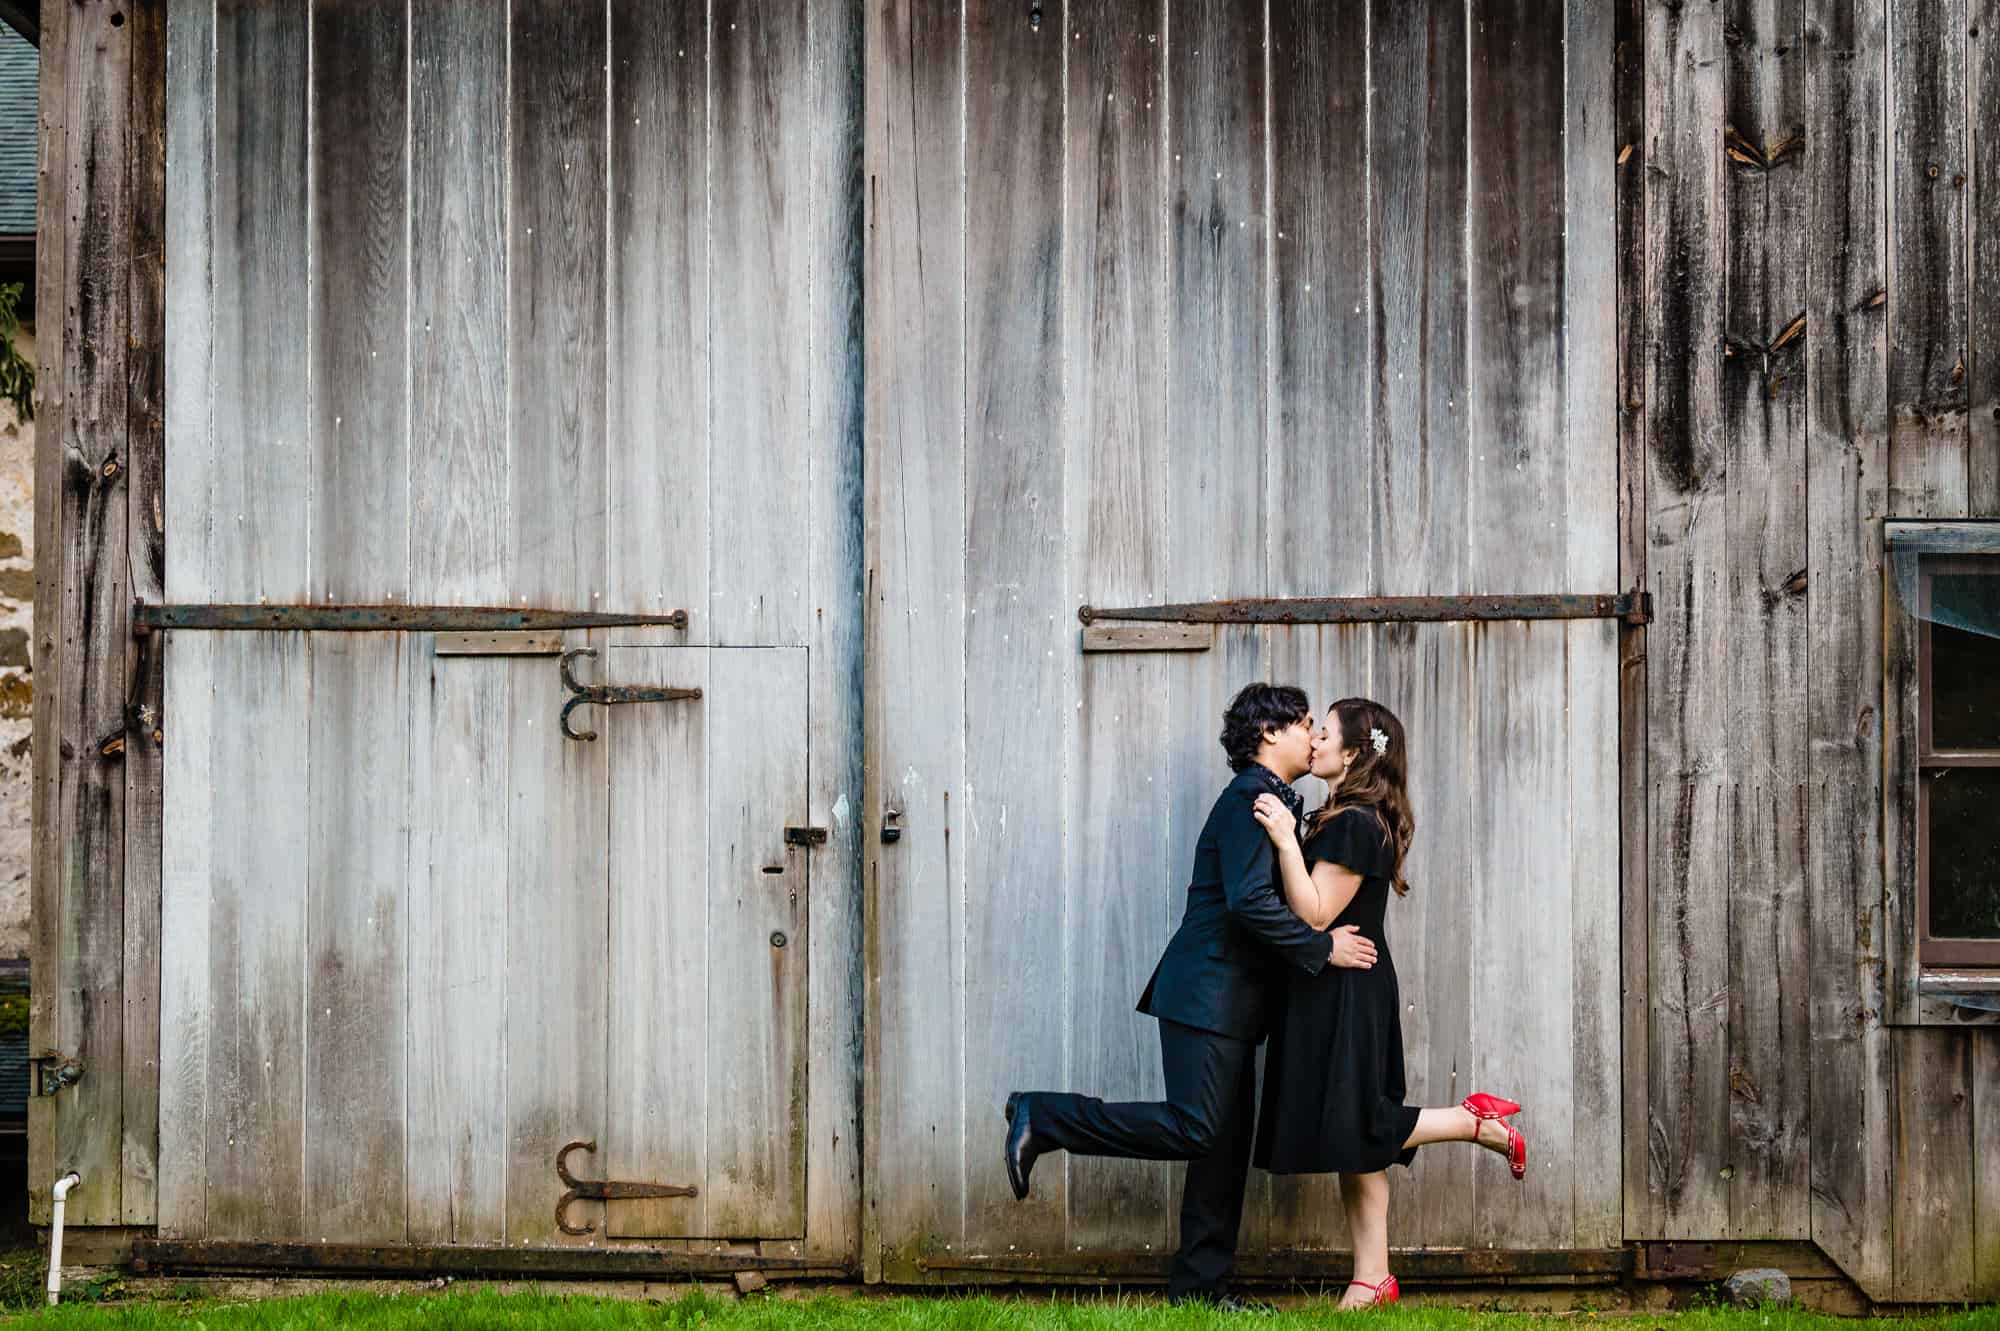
x,y
1378,782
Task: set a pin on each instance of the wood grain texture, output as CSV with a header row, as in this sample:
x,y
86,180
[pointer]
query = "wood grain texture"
x,y
1687,1080
558,944
1982,353
1422,458
758,949
1017,606
556,354
460,785
915,682
255,1117
835,562
359,335
1928,292
92,612
262,462
1986,1165
181,1192
356,945
1522,986
659,287
758,259
1590,478
1634,367
1846,479
145,525
1122,902
662,1023
1764,429
458,305
1932,1129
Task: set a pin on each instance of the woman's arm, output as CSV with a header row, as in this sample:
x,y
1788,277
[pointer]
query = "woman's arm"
x,y
1317,897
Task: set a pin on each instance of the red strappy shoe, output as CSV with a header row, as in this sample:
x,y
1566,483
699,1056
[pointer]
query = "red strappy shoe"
x,y
1387,1291
1484,1106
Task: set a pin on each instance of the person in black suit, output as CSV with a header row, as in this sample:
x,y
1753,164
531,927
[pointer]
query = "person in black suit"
x,y
1214,993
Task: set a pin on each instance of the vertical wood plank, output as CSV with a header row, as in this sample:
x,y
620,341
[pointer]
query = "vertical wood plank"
x,y
557,144
262,466
145,507
1590,475
1322,357
1688,875
835,567
1932,1127
1217,391
360,482
1846,479
1522,986
1928,292
1122,902
357,855
1016,720
558,945
912,1096
1417,182
662,1025
51,305
459,283
93,611
181,1204
257,935
1764,424
1634,829
758,258
758,948
460,788
1982,354
1986,1164
659,283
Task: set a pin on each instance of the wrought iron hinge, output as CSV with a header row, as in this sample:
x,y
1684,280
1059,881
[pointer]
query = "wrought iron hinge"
x,y
603,1190
55,1070
805,836
606,695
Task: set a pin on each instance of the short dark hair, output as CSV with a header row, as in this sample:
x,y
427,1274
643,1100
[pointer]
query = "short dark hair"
x,y
1255,709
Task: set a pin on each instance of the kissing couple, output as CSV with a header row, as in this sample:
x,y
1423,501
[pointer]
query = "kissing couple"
x,y
1282,939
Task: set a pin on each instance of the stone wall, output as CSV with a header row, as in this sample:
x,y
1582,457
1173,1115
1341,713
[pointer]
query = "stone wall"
x,y
17,614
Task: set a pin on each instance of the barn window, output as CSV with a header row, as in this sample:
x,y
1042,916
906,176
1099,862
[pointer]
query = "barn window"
x,y
1949,587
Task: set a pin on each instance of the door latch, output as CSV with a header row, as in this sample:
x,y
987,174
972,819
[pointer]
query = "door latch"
x,y
805,836
606,695
55,1070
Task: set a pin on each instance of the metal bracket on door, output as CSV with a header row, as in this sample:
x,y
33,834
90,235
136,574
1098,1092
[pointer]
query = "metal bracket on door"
x,y
608,695
603,1190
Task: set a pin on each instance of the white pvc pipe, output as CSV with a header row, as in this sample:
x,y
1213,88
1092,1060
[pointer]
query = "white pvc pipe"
x,y
63,1185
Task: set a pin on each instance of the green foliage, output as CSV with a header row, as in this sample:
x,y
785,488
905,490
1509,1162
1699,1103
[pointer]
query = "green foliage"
x,y
487,1310
13,1016
17,377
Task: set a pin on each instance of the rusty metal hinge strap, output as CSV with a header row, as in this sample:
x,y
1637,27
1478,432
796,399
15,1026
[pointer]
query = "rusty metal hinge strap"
x,y
603,1190
1634,607
387,618
608,695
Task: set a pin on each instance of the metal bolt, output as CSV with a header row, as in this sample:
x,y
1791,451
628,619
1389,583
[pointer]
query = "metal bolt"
x,y
777,938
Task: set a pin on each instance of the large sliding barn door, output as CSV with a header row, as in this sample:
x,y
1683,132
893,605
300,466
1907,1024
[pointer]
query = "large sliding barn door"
x,y
544,308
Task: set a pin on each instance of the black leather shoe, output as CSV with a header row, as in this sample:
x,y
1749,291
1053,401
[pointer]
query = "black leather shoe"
x,y
1228,1303
1021,1148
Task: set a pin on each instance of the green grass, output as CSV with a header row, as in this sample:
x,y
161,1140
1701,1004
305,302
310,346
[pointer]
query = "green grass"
x,y
485,1310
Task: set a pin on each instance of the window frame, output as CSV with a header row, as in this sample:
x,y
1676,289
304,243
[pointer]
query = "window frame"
x,y
1934,951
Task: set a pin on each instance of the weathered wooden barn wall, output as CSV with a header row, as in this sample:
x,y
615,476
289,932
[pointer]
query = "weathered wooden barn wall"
x,y
1811,206
1184,301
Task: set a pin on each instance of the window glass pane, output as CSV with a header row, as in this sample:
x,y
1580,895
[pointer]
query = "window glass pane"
x,y
1965,852
1965,661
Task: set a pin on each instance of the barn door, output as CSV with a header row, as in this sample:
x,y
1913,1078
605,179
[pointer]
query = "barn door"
x,y
708,875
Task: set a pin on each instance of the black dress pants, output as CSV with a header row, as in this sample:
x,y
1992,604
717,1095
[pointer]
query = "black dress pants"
x,y
1208,1119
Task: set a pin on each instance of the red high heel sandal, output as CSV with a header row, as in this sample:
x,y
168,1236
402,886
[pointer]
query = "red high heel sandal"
x,y
1386,1292
1484,1106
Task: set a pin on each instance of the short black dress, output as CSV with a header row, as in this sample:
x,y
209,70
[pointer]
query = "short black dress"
x,y
1333,1070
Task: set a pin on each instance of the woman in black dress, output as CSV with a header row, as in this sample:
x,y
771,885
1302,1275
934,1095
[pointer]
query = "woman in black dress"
x,y
1333,1071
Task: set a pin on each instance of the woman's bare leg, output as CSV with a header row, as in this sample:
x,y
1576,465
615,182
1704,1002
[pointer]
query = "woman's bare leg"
x,y
1457,1125
1365,1197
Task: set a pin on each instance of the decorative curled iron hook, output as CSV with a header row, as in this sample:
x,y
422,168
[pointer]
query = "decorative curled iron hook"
x,y
607,695
602,1190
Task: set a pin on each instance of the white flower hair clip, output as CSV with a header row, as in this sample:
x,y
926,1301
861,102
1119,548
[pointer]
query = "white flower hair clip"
x,y
1378,739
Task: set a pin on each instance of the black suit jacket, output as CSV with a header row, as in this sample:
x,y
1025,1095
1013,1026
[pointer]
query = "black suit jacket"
x,y
1221,970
